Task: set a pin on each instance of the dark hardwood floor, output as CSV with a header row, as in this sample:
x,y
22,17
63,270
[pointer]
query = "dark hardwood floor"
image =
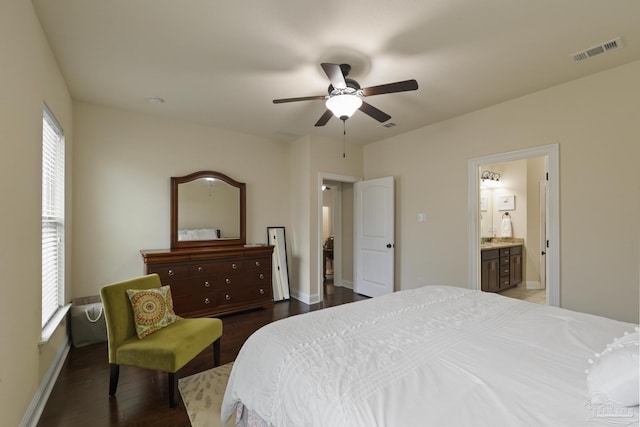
x,y
80,396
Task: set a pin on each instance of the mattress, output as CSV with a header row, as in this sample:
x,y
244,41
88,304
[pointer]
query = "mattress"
x,y
436,355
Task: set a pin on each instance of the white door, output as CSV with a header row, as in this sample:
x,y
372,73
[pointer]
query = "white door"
x,y
374,237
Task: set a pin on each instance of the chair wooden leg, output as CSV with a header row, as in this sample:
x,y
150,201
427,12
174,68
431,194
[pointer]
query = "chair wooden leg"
x,y
113,378
216,353
172,390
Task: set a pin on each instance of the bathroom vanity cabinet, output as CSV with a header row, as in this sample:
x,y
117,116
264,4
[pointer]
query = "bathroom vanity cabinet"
x,y
501,268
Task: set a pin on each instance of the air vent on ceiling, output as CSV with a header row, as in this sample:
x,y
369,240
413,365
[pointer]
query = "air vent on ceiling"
x,y
597,50
388,125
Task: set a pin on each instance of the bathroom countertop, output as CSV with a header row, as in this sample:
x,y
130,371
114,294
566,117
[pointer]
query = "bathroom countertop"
x,y
502,244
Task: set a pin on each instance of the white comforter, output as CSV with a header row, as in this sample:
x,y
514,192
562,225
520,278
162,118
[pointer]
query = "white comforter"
x,y
433,356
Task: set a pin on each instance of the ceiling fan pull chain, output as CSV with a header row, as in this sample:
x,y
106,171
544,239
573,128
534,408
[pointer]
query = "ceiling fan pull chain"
x,y
344,137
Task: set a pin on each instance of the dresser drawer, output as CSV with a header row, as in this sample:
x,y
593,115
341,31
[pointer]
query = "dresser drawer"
x,y
505,251
504,270
489,254
169,272
516,250
214,267
185,287
231,279
504,282
183,304
243,295
263,264
257,278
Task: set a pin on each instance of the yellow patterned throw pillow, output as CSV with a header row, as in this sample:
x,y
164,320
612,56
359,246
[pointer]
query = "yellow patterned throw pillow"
x,y
152,309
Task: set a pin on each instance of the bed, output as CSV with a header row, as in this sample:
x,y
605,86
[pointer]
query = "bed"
x,y
437,356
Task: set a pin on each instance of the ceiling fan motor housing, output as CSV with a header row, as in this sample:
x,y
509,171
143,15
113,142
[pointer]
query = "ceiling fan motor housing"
x,y
352,88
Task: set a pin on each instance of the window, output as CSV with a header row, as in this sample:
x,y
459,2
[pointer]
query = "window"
x,y
52,216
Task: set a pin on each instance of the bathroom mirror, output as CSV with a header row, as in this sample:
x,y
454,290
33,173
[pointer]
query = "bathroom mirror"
x,y
207,209
280,276
486,213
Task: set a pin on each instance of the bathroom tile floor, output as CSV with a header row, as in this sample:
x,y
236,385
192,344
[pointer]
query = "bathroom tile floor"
x,y
539,296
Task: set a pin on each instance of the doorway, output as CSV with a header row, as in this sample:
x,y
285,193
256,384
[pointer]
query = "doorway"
x,y
519,227
551,219
336,220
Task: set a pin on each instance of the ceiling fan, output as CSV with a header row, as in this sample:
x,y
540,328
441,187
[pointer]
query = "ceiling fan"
x,y
345,95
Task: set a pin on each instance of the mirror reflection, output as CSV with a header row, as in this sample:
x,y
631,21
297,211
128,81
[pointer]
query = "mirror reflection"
x,y
209,210
486,213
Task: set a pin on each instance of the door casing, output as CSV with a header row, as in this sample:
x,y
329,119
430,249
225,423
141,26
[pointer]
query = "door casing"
x,y
337,249
551,151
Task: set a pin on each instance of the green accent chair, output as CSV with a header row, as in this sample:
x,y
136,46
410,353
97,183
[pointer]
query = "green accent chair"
x,y
167,350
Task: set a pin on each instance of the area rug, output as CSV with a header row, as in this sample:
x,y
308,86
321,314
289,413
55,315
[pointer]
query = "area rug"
x,y
202,394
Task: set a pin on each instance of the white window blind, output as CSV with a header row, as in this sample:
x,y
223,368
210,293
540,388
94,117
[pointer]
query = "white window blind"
x,y
52,216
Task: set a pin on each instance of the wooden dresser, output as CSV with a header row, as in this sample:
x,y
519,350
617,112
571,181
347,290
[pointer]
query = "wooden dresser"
x,y
214,281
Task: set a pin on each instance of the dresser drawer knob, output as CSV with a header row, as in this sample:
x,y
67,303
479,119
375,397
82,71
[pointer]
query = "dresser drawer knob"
x,y
170,272
200,269
207,284
261,276
206,301
227,297
234,266
261,291
227,280
257,263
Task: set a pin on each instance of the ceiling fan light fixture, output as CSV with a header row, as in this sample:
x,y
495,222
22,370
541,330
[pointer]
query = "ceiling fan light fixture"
x,y
343,106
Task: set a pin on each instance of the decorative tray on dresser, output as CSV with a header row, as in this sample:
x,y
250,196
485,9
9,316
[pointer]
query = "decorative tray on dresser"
x,y
212,281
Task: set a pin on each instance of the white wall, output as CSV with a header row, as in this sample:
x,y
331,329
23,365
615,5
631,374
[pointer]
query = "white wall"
x,y
124,162
312,156
29,76
300,258
595,122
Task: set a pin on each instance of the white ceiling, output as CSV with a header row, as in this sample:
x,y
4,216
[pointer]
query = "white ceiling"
x,y
221,63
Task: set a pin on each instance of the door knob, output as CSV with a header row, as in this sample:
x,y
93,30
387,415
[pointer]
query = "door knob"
x,y
543,253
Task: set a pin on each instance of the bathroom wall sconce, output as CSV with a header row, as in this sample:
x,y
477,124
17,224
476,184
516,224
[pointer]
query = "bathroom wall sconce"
x,y
489,179
492,176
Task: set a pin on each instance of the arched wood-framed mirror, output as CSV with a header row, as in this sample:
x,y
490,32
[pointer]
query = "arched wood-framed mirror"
x,y
207,209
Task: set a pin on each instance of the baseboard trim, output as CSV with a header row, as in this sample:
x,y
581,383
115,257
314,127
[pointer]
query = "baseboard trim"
x,y
305,297
533,285
347,284
32,416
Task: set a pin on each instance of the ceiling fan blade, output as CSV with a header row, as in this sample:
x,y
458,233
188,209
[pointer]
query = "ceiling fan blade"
x,y
324,118
403,86
372,111
334,72
304,98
